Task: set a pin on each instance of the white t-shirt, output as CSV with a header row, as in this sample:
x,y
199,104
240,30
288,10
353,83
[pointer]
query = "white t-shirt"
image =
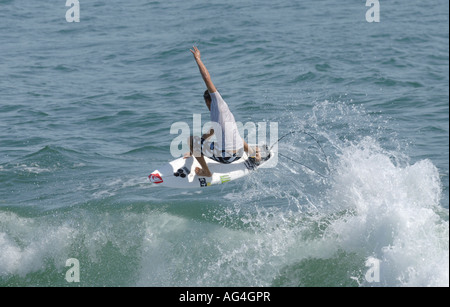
x,y
221,114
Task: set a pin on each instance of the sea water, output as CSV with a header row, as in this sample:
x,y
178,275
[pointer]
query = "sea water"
x,y
85,114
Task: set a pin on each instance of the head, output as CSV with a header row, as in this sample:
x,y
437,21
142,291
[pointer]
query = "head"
x,y
207,98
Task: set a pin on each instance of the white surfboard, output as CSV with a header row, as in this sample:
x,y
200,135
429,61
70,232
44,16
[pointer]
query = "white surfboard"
x,y
180,173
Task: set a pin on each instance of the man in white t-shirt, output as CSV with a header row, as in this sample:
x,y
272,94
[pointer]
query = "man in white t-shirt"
x,y
229,146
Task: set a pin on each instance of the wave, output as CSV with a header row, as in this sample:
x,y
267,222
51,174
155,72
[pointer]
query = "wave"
x,y
373,208
278,227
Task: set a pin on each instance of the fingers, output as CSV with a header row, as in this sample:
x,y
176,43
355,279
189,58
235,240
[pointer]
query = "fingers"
x,y
195,51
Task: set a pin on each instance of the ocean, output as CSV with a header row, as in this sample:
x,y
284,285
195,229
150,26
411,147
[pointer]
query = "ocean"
x,y
86,110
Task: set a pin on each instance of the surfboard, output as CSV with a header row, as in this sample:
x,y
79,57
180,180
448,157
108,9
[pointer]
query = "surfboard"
x,y
180,173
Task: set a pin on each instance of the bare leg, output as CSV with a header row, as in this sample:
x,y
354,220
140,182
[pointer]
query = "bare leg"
x,y
204,171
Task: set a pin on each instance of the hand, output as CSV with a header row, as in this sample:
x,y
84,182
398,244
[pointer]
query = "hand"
x,y
196,53
256,154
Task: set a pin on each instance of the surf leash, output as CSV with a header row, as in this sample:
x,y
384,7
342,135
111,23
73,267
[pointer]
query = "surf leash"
x,y
311,136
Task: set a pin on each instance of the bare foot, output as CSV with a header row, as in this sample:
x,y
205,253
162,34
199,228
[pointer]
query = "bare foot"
x,y
202,172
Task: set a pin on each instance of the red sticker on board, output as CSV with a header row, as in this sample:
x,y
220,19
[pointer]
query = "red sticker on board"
x,y
155,178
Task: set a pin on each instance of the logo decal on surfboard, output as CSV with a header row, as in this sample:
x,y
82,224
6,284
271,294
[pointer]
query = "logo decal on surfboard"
x,y
155,178
225,178
203,182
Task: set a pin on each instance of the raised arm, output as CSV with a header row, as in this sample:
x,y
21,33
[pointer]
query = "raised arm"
x,y
203,71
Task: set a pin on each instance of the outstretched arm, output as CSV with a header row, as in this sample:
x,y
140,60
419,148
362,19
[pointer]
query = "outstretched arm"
x,y
203,71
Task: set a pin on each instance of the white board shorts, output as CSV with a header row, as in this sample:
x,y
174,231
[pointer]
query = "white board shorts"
x,y
208,150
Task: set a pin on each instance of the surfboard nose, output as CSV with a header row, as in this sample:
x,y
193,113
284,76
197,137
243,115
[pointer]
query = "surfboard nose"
x,y
155,178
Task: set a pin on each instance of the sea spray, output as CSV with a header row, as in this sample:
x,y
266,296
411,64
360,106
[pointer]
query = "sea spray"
x,y
391,213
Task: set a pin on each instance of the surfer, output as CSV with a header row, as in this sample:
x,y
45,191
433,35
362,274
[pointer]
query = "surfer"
x,y
229,146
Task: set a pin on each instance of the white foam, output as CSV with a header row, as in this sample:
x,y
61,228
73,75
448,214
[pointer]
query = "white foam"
x,y
43,244
392,215
25,247
103,194
378,206
34,168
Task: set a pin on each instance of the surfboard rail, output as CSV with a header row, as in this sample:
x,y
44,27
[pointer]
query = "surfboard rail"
x,y
180,173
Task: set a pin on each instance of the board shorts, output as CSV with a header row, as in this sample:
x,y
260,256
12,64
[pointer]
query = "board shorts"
x,y
208,150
